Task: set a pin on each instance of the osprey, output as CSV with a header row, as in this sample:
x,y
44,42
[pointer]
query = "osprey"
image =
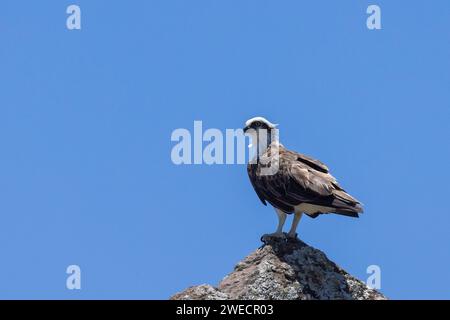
x,y
298,184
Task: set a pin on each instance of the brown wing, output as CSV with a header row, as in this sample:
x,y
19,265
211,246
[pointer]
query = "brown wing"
x,y
302,179
313,163
315,178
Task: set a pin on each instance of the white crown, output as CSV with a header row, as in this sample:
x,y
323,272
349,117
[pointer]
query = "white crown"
x,y
261,119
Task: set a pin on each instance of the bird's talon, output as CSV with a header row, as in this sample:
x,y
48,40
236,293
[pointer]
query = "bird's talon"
x,y
277,236
291,236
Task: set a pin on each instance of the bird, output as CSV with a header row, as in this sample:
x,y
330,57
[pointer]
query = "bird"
x,y
298,185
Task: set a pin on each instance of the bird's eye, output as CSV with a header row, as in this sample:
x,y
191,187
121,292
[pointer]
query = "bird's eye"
x,y
257,124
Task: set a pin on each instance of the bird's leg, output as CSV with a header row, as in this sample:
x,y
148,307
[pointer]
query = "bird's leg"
x,y
281,219
292,233
279,232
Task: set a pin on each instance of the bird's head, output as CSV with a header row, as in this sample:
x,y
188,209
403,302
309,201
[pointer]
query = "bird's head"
x,y
257,128
258,123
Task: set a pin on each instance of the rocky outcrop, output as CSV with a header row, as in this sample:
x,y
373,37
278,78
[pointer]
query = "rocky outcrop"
x,y
284,270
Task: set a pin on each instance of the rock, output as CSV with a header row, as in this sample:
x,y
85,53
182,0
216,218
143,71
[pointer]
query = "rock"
x,y
201,292
284,270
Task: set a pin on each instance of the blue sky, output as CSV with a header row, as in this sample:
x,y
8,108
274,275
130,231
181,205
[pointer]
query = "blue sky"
x,y
86,117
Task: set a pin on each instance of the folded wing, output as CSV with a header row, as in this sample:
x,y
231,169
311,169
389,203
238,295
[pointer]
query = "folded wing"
x,y
302,179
